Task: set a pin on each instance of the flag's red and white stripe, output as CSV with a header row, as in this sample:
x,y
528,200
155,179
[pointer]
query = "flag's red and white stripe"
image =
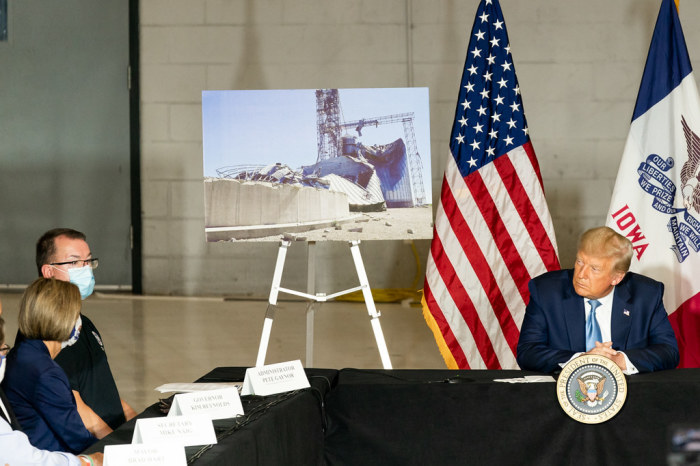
x,y
493,233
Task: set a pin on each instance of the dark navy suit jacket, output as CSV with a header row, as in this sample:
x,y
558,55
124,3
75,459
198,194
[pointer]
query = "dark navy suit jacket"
x,y
553,329
42,400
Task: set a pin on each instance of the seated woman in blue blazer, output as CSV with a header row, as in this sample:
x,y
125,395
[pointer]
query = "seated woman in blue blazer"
x,y
35,385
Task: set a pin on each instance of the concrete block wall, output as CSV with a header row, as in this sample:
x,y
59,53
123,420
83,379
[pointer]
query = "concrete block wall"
x,y
578,63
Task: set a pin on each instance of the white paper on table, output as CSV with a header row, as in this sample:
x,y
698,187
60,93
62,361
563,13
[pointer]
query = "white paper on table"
x,y
528,379
196,387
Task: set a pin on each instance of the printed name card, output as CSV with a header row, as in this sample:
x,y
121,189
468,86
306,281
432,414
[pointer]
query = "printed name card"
x,y
275,378
144,455
181,430
223,403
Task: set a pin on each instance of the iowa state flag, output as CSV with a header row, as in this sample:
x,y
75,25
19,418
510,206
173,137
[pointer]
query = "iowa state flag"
x,y
656,200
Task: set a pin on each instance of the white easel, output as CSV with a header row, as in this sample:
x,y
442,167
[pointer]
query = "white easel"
x,y
317,298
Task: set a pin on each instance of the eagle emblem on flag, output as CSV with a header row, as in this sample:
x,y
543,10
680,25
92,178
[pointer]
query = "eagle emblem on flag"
x,y
690,172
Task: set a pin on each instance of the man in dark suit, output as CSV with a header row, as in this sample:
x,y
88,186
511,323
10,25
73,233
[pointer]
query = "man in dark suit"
x,y
629,323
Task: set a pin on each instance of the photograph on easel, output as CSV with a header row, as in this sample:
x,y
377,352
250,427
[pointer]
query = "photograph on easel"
x,y
317,164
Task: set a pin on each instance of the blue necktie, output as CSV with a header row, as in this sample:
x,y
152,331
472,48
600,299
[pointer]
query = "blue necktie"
x,y
592,327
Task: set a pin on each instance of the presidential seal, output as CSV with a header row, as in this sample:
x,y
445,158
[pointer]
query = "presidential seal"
x,y
591,389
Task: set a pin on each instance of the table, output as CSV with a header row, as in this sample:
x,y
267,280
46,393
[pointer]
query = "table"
x,y
280,429
419,417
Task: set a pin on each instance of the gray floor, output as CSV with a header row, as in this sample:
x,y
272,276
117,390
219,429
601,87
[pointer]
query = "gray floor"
x,y
155,340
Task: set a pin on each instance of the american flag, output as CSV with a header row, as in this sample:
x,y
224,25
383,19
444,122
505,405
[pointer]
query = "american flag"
x,y
493,231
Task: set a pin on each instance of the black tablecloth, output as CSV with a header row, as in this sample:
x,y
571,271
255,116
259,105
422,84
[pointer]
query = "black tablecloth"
x,y
279,429
418,417
439,417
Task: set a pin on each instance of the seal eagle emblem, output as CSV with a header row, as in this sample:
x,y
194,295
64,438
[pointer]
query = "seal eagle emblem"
x,y
592,389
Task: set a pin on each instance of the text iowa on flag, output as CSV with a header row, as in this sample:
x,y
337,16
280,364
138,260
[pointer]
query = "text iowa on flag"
x,y
493,231
656,200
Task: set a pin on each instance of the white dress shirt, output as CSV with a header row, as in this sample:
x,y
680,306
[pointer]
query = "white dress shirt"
x,y
603,314
16,450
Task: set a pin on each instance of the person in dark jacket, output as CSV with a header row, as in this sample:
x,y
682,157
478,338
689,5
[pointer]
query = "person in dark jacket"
x,y
597,308
37,388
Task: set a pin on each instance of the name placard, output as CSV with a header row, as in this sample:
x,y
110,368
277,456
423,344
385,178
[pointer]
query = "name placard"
x,y
215,404
146,455
275,378
181,430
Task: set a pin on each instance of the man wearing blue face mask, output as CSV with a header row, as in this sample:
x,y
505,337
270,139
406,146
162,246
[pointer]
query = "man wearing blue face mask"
x,y
64,254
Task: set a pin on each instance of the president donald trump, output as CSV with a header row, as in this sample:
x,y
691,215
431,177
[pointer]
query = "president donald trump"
x,y
597,308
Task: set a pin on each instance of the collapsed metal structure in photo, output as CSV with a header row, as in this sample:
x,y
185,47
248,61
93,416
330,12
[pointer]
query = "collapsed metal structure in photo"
x,y
374,177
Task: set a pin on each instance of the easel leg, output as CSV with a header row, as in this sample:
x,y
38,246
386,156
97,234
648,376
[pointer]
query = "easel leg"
x,y
275,289
310,315
311,307
270,313
369,301
265,338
